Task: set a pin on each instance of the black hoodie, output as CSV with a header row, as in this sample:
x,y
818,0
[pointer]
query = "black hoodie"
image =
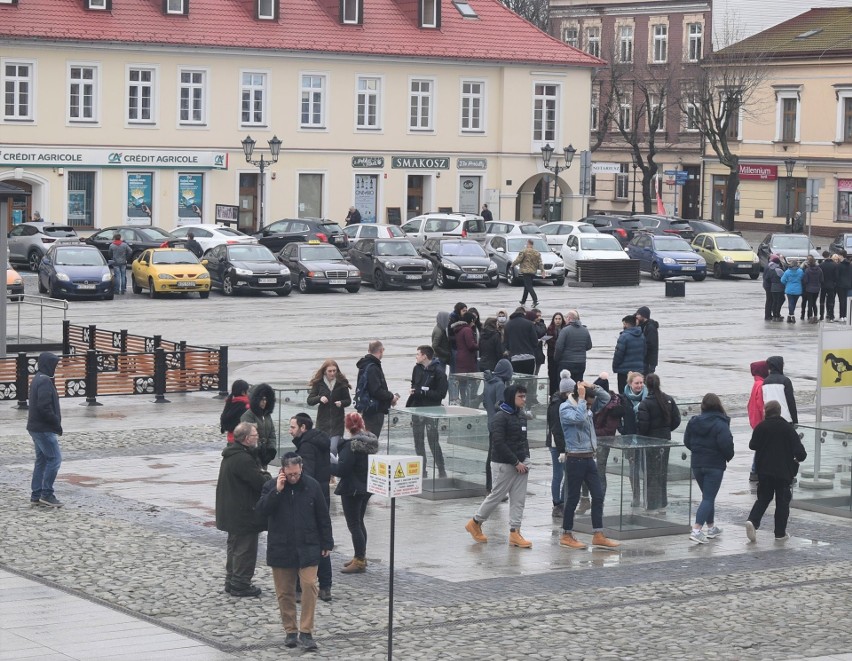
x,y
44,414
314,447
266,441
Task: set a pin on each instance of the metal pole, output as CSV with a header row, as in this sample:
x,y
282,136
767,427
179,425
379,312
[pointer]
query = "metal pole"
x,y
390,580
787,220
633,206
261,165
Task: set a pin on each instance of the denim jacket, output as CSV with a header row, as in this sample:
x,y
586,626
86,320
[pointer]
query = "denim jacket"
x,y
578,422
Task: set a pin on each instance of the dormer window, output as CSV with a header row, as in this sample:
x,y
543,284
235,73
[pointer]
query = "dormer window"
x,y
351,12
267,10
100,5
430,13
176,7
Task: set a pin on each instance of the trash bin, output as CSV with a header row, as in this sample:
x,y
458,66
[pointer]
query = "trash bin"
x,y
675,288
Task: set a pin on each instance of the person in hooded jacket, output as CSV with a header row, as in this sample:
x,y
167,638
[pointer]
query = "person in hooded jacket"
x,y
490,345
759,370
557,323
44,424
812,284
708,437
792,281
428,388
555,442
844,282
772,275
441,340
658,417
778,387
571,347
651,332
261,406
629,353
329,392
236,404
830,271
520,340
495,386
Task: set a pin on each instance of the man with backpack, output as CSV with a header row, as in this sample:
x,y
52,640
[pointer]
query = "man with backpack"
x,y
372,397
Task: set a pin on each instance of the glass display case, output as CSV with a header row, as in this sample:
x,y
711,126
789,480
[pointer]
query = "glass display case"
x,y
648,493
824,483
290,399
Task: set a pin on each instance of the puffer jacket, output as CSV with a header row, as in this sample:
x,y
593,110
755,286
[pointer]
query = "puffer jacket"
x,y
778,387
792,281
778,448
314,447
708,436
773,275
629,353
490,346
573,343
509,443
354,462
429,385
812,281
650,420
267,440
330,416
238,489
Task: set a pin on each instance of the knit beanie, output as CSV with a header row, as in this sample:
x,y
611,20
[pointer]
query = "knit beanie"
x,y
566,383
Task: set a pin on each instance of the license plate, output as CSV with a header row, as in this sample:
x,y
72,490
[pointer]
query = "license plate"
x,y
185,283
745,266
475,276
412,277
687,268
337,282
266,281
85,286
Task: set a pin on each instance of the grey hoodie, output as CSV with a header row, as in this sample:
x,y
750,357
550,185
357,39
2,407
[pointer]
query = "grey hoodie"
x,y
440,339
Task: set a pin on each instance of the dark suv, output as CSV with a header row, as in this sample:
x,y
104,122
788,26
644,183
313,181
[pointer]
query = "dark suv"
x,y
301,230
667,225
621,227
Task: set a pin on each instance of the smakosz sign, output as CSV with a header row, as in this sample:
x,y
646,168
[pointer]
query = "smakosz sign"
x,y
420,162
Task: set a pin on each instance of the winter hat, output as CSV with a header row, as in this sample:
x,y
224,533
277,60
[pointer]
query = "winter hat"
x,y
503,370
775,258
645,311
566,383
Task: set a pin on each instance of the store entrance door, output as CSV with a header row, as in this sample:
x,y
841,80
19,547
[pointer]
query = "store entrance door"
x,y
414,196
248,203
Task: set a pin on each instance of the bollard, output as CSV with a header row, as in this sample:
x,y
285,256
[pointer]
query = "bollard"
x,y
93,331
182,350
66,337
22,379
123,341
160,375
92,378
223,371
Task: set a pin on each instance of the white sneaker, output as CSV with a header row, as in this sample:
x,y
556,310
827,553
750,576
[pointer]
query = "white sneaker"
x,y
751,531
713,532
783,539
697,536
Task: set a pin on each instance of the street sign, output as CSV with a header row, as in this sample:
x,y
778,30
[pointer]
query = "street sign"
x,y
392,475
682,176
670,173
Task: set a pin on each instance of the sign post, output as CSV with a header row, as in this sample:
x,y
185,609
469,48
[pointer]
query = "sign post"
x,y
392,476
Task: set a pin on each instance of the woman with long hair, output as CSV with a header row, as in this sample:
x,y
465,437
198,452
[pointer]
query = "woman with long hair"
x,y
330,394
708,436
557,323
658,417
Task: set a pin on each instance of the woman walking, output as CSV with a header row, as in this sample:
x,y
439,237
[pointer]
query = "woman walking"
x,y
658,417
792,281
708,436
812,283
557,323
330,394
352,469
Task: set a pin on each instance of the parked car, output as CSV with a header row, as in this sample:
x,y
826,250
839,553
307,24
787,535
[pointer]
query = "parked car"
x,y
667,225
138,238
391,263
318,265
787,246
75,270
706,227
209,236
557,232
435,225
621,227
460,262
511,227
582,247
727,254
169,271
503,249
29,242
841,242
242,268
301,230
14,285
664,256
372,231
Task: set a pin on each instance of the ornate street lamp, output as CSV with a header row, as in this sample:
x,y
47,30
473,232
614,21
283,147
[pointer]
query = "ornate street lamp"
x,y
547,154
262,163
789,163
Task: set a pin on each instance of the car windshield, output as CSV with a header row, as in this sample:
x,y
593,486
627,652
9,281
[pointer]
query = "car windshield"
x,y
516,245
174,257
154,233
671,243
250,254
732,243
649,222
462,250
529,229
605,242
75,257
394,231
791,242
58,230
319,253
332,228
395,249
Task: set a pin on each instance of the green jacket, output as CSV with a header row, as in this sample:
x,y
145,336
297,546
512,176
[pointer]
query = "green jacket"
x,y
528,261
241,480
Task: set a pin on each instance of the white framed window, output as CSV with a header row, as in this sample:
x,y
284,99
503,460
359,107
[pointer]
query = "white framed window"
x,y
192,94
656,112
82,93
351,11
312,108
595,118
625,44
253,98
176,6
545,112
472,106
625,111
18,90
571,36
690,116
98,4
429,13
141,95
622,182
695,42
368,97
787,114
266,10
661,43
844,113
420,104
593,41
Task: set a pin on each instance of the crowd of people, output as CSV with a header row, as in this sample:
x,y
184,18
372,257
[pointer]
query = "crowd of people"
x,y
812,282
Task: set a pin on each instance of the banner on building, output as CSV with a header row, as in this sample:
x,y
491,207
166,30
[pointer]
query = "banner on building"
x,y
190,198
140,196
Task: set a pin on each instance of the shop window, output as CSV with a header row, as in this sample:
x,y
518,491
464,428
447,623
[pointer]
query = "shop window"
x,y
80,199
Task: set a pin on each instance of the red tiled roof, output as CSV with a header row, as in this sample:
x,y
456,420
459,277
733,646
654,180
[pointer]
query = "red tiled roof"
x,y
497,35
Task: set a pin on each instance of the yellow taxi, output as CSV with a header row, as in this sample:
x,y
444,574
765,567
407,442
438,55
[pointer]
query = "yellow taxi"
x,y
727,254
14,285
169,271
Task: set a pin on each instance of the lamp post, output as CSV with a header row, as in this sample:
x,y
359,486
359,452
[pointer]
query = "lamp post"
x,y
546,155
633,205
789,163
274,150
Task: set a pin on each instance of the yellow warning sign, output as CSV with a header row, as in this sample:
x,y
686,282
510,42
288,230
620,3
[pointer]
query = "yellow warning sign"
x,y
383,469
412,468
399,472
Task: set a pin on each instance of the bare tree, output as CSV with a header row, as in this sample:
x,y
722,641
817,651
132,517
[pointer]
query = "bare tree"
x,y
536,12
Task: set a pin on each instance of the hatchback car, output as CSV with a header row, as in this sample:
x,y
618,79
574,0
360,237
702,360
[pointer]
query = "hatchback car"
x,y
372,231
841,242
28,242
14,285
75,270
621,227
391,263
138,238
209,236
511,227
786,246
169,271
584,247
301,230
436,225
238,269
727,254
664,256
460,262
667,225
557,232
317,265
503,249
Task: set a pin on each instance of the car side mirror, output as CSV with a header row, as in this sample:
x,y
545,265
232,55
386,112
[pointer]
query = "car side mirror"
x,y
45,260
204,262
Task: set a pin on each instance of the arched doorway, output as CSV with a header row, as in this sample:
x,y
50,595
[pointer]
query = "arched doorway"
x,y
542,197
15,203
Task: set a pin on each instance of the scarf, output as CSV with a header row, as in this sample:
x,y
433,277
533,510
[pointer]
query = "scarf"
x,y
634,398
330,384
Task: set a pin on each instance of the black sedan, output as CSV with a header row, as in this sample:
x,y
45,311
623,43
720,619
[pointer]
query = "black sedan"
x,y
460,262
246,268
316,265
301,230
138,238
391,263
667,225
621,227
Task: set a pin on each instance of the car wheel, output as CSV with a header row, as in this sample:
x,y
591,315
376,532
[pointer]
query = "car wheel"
x,y
717,271
559,283
353,289
227,286
379,281
754,276
656,274
303,284
491,284
284,292
152,293
204,294
109,297
439,279
41,288
34,260
699,277
134,285
427,287
510,276
54,292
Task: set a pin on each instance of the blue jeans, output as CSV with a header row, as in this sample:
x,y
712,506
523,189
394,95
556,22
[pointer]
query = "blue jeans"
x,y
577,472
709,481
47,463
557,491
119,278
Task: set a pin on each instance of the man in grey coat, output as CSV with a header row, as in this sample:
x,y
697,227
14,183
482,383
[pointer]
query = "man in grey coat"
x,y
571,346
119,254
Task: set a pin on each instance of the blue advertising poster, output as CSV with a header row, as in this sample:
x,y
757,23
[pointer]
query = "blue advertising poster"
x,y
139,197
190,198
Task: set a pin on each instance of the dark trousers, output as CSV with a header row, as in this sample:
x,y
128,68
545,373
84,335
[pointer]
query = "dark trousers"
x,y
578,370
419,425
354,509
622,383
809,305
657,467
767,489
524,366
553,375
602,457
529,289
792,299
842,293
767,307
777,303
579,472
241,560
826,302
374,422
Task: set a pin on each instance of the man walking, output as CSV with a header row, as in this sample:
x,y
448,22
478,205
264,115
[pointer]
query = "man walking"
x,y
241,479
650,331
529,263
428,388
372,397
629,353
510,462
299,535
44,424
571,346
119,254
486,214
492,395
353,217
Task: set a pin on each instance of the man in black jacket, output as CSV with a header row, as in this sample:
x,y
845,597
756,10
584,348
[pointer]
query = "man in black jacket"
x,y
829,286
778,453
241,479
428,388
299,535
377,387
44,424
314,447
510,462
650,330
520,340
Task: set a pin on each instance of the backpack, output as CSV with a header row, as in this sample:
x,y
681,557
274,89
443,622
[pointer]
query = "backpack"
x,y
605,422
364,403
